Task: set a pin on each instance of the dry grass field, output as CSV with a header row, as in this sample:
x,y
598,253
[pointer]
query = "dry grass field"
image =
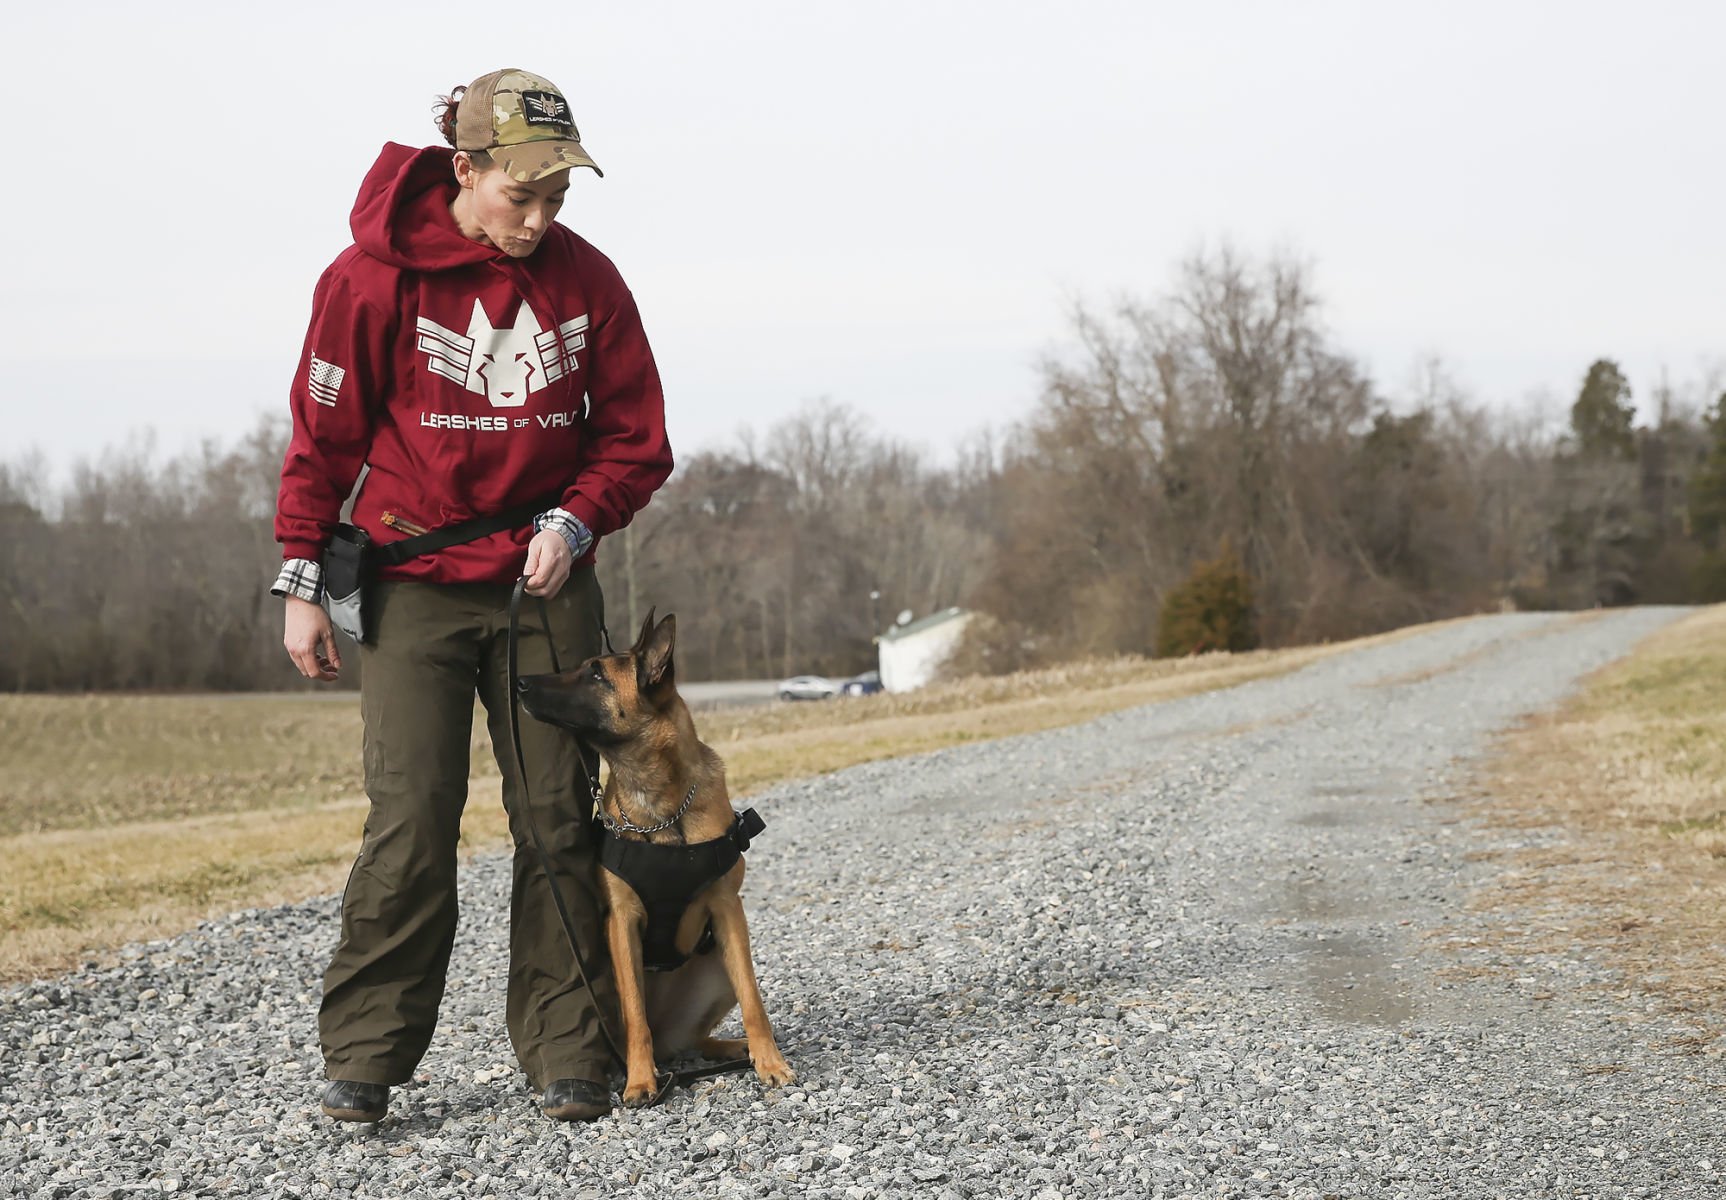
x,y
1632,773
125,818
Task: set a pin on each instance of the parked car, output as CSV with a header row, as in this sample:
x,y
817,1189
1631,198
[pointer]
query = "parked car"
x,y
808,687
866,684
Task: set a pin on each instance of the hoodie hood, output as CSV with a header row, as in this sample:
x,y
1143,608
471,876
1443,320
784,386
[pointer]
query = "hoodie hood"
x,y
402,217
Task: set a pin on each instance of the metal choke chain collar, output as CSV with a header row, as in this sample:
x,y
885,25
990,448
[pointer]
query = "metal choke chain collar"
x,y
622,823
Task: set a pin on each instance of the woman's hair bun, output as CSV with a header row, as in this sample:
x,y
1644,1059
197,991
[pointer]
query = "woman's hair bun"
x,y
445,110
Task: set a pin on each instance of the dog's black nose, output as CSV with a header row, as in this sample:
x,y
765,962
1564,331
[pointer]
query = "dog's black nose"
x,y
521,686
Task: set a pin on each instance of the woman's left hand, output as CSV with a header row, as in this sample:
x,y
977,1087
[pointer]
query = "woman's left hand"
x,y
548,563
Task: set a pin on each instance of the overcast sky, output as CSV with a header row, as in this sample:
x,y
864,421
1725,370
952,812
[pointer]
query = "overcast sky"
x,y
889,204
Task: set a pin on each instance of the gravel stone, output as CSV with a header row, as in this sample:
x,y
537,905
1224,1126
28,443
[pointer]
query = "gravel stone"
x,y
1218,946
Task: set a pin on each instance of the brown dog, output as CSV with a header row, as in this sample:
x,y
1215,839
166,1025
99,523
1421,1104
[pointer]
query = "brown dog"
x,y
665,808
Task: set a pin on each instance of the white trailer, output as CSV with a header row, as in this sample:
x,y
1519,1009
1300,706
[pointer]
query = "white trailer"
x,y
912,653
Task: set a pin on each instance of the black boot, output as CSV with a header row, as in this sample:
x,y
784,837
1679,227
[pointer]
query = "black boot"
x,y
351,1100
576,1100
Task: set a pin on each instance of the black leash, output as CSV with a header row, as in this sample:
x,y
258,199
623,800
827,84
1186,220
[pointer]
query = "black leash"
x,y
665,1081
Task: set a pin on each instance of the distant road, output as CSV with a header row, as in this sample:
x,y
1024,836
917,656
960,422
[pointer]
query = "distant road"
x,y
728,692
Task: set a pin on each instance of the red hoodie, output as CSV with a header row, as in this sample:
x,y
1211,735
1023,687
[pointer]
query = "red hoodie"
x,y
458,375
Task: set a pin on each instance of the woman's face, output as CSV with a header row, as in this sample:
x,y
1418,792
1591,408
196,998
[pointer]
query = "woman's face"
x,y
494,209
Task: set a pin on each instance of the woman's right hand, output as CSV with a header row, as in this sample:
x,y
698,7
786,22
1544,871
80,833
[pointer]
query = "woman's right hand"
x,y
310,639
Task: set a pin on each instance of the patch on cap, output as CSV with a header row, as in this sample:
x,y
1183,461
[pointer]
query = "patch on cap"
x,y
546,108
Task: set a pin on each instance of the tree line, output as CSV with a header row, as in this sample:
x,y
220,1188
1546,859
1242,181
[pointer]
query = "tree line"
x,y
1211,442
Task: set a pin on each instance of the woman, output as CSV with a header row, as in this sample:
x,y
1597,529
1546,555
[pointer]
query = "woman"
x,y
472,356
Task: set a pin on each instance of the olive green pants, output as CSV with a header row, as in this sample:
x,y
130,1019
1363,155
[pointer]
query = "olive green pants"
x,y
435,646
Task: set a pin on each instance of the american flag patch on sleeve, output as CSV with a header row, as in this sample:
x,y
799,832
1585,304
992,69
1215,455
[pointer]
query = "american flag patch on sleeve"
x,y
325,381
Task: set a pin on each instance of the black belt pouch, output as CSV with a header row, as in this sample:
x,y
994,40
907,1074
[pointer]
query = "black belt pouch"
x,y
349,563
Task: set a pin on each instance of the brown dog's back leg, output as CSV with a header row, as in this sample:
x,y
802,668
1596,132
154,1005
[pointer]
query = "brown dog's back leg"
x,y
721,1049
731,930
686,1005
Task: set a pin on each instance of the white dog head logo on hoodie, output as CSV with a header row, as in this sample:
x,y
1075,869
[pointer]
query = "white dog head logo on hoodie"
x,y
507,365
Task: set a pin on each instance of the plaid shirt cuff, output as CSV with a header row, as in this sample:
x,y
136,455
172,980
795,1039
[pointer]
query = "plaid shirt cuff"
x,y
300,577
579,536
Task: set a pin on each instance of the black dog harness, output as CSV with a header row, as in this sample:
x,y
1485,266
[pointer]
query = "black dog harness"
x,y
667,878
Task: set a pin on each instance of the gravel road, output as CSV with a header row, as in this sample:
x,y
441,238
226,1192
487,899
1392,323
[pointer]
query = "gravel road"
x,y
1207,947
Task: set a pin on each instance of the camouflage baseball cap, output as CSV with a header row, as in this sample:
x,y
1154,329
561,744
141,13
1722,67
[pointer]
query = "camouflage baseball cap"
x,y
523,122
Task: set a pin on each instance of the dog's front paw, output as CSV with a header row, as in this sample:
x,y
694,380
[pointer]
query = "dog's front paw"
x,y
639,1095
775,1071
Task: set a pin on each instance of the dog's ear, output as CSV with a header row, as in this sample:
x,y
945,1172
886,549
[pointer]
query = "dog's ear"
x,y
653,664
640,646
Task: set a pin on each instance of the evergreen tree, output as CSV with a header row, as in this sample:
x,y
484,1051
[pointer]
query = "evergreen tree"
x,y
1708,485
1601,418
1211,610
